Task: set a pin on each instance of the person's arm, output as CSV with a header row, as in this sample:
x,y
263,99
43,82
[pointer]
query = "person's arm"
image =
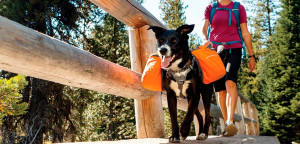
x,y
247,39
203,34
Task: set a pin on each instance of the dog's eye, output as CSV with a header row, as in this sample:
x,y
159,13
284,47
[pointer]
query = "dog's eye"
x,y
161,41
174,40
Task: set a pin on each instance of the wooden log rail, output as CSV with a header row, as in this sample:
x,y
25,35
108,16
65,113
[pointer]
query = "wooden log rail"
x,y
130,12
28,52
25,51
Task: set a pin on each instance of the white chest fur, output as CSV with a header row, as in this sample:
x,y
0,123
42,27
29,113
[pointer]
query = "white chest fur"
x,y
174,66
175,88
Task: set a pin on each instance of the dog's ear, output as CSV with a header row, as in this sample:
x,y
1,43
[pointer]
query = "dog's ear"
x,y
185,29
157,30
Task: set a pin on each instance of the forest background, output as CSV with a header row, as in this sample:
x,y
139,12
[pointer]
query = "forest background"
x,y
34,110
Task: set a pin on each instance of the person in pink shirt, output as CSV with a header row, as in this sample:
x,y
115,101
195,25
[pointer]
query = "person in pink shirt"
x,y
225,32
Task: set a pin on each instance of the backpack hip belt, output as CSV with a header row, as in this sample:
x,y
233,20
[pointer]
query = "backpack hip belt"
x,y
226,43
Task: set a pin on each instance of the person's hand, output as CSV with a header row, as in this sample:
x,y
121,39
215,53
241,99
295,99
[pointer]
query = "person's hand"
x,y
206,42
252,64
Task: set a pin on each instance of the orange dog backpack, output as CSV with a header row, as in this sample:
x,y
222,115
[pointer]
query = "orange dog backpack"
x,y
152,76
211,64
211,67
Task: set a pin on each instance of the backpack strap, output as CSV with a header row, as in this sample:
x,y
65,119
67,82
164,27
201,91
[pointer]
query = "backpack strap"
x,y
212,13
229,12
236,13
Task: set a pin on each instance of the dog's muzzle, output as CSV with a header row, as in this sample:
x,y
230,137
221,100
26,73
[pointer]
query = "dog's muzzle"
x,y
163,51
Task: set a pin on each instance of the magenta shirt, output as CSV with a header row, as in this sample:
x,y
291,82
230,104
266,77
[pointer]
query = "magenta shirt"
x,y
220,30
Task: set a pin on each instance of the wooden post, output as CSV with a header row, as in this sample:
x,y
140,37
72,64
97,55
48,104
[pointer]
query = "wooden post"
x,y
148,113
257,123
241,124
253,129
246,109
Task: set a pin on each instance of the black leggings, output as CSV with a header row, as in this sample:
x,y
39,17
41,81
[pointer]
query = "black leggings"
x,y
232,63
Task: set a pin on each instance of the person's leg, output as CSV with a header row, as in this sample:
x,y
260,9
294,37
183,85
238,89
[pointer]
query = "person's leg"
x,y
232,66
231,129
232,99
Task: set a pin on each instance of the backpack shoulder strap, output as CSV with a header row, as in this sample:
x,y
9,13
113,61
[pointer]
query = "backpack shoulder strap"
x,y
212,13
236,13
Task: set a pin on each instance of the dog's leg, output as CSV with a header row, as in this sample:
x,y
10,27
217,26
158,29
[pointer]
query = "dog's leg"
x,y
186,124
172,105
200,122
206,93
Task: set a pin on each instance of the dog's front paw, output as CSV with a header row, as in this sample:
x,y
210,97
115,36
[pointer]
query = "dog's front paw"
x,y
202,136
182,137
184,131
174,139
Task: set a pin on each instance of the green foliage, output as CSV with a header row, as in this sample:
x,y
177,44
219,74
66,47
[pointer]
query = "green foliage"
x,y
194,41
173,16
280,77
110,41
95,114
262,28
53,17
10,97
173,13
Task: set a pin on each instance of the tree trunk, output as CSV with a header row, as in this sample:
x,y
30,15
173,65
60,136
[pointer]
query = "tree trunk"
x,y
36,112
269,17
111,122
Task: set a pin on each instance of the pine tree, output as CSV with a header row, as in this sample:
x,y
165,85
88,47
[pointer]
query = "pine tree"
x,y
173,13
10,96
48,112
280,77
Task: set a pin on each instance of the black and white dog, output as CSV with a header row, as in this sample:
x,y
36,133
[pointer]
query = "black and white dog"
x,y
182,79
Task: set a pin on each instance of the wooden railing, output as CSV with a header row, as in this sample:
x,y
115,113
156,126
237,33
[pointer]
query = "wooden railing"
x,y
25,51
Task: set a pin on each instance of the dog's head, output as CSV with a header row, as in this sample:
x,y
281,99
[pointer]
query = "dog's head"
x,y
172,44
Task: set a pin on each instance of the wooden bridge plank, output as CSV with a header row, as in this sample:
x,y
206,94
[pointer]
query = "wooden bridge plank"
x,y
238,139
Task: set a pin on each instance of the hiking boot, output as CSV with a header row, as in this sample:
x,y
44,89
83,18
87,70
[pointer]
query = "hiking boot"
x,y
230,130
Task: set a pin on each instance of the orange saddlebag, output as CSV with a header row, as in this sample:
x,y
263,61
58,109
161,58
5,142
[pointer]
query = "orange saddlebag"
x,y
151,78
211,64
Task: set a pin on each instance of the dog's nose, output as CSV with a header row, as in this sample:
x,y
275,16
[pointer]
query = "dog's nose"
x,y
163,51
